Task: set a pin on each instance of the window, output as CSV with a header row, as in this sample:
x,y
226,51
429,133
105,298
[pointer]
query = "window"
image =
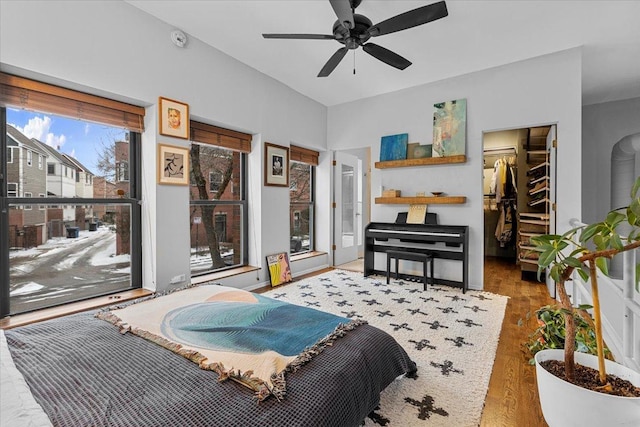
x,y
9,155
118,265
29,157
27,195
215,181
12,189
218,207
301,199
122,171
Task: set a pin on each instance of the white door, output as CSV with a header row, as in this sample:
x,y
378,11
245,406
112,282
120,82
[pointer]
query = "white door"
x,y
345,198
551,149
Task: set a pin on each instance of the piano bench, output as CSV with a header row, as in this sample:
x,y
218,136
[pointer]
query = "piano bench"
x,y
425,258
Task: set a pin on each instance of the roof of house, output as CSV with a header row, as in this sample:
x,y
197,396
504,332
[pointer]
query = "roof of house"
x,y
77,164
20,139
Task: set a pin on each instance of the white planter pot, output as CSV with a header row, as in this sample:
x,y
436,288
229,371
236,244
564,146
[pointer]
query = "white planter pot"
x,y
565,405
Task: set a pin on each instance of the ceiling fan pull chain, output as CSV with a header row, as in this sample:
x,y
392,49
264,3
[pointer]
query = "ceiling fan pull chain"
x,y
354,62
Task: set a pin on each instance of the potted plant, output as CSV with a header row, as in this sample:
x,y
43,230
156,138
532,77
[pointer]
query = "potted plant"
x,y
551,332
566,398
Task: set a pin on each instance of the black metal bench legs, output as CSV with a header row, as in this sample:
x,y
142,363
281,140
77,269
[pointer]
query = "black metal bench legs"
x,y
425,258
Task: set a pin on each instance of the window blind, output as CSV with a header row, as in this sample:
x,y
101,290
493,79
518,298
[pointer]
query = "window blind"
x,y
20,92
209,134
304,155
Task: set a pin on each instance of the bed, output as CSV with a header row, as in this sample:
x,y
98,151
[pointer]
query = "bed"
x,y
83,371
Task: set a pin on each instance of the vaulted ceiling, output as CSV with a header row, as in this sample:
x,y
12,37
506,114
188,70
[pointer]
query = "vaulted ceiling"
x,y
476,35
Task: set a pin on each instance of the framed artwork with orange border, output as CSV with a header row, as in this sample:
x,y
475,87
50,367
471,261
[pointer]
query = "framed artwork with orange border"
x,y
173,118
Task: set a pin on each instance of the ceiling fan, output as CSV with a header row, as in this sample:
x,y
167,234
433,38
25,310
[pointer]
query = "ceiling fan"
x,y
353,30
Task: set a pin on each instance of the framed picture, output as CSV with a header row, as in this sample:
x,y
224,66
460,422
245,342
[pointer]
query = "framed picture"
x,y
173,165
279,268
276,165
173,118
449,128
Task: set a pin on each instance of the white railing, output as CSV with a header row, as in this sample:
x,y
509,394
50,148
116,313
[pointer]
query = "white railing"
x,y
620,308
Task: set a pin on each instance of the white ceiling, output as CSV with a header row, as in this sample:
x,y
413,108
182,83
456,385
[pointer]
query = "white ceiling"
x,y
475,36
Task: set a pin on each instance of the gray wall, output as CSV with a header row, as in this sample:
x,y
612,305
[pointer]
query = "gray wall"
x,y
603,125
541,90
114,49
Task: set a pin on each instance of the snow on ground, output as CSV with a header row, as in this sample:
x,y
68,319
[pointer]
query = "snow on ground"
x,y
108,257
27,288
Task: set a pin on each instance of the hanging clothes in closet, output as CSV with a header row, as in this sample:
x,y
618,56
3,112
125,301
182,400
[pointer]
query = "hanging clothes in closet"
x,y
503,184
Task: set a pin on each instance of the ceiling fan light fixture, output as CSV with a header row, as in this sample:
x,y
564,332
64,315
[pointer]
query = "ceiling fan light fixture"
x,y
354,30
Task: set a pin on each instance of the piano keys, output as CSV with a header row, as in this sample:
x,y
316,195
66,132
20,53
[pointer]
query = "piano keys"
x,y
381,237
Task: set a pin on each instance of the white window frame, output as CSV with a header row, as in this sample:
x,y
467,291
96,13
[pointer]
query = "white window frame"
x,y
29,158
54,169
27,194
9,154
40,161
12,193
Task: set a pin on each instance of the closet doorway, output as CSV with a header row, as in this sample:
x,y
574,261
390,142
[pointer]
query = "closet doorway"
x,y
519,196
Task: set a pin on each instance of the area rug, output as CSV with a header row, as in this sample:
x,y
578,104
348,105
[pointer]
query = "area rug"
x,y
450,335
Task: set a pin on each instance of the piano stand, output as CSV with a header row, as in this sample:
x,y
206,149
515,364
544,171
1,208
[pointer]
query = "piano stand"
x,y
425,258
448,242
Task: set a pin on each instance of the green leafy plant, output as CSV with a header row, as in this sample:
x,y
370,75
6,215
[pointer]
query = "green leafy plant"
x,y
551,332
564,254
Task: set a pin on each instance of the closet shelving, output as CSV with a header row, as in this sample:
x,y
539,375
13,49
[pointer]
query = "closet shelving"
x,y
533,218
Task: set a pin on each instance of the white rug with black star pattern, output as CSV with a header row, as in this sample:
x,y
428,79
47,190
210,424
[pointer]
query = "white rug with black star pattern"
x,y
451,336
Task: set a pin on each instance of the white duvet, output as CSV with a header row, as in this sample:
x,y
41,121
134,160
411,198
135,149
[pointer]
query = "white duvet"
x,y
18,407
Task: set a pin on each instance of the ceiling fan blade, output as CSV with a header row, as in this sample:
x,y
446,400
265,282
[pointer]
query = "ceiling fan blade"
x,y
333,62
410,19
386,56
343,11
300,36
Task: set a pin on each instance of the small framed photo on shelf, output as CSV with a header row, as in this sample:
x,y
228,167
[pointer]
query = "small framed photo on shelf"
x,y
276,165
173,118
173,165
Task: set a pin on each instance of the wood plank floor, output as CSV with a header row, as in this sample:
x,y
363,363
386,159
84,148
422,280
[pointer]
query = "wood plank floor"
x,y
512,398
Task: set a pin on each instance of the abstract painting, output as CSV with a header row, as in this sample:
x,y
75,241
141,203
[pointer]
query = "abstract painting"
x,y
449,128
394,147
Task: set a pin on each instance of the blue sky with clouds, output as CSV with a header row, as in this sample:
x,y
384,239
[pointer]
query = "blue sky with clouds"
x,y
79,139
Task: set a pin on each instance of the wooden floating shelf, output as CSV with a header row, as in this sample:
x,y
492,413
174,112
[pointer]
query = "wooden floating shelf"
x,y
442,200
421,162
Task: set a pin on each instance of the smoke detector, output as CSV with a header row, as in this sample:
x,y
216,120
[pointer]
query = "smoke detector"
x,y
178,38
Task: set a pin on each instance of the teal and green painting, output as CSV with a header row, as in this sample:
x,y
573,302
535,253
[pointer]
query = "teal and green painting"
x,y
394,147
449,128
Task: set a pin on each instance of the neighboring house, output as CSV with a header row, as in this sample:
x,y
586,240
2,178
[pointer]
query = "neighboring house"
x,y
104,189
84,187
61,182
26,177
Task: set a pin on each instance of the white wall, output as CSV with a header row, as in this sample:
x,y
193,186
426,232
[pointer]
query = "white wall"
x,y
603,125
113,49
538,91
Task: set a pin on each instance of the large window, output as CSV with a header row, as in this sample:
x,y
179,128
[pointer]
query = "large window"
x,y
218,207
82,241
301,195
